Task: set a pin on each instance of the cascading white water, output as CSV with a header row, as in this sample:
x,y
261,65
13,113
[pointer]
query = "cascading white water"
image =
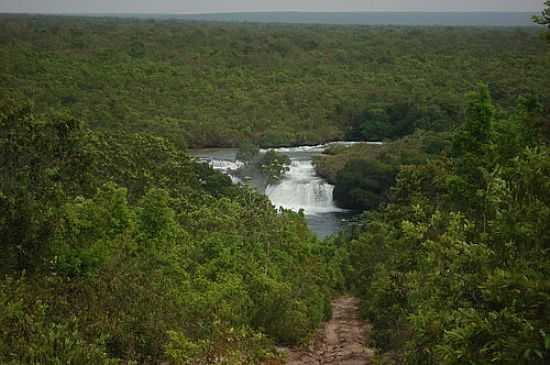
x,y
227,167
301,188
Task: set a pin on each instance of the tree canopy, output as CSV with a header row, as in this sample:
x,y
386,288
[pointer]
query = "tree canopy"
x,y
214,84
453,268
120,249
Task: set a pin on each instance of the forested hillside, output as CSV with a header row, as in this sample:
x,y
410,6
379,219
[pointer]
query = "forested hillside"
x,y
364,173
118,248
454,267
202,84
417,18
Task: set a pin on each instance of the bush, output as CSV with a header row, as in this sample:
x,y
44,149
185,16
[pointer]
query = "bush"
x,y
363,184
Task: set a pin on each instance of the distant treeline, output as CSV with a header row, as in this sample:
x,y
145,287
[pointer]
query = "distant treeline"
x,y
416,18
208,84
511,19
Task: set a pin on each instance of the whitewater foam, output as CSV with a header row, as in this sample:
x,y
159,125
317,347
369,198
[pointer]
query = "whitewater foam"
x,y
317,148
301,188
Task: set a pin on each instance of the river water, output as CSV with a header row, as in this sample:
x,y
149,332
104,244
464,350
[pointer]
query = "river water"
x,y
300,189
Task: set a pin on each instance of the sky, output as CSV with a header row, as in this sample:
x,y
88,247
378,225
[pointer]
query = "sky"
x,y
203,6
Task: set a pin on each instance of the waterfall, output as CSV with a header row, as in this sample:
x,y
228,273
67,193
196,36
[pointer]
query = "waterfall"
x,y
227,167
301,188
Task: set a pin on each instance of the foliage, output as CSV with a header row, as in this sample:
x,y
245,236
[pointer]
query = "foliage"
x,y
362,184
397,120
273,165
363,173
30,338
544,18
248,152
119,248
211,84
41,159
453,269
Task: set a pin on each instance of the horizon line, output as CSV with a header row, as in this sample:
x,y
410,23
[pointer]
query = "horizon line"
x,y
271,12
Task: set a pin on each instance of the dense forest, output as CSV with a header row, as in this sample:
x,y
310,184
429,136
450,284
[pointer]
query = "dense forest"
x,y
418,18
453,267
208,84
121,247
117,247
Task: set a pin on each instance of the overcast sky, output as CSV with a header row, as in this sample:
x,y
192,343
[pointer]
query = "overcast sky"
x,y
198,6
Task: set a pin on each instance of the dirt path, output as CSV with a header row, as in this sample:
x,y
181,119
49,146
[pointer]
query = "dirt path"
x,y
342,340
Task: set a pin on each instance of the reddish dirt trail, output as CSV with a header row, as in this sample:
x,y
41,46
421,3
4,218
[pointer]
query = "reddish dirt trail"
x,y
342,340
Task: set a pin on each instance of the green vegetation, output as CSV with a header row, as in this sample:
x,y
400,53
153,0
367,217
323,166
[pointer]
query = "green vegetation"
x,y
119,248
273,165
454,268
248,152
363,173
201,84
268,167
544,18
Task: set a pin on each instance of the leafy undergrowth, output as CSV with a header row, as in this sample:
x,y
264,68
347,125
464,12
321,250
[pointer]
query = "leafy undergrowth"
x,y
121,249
454,268
363,173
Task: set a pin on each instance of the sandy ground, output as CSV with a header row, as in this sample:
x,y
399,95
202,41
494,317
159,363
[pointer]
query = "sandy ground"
x,y
341,341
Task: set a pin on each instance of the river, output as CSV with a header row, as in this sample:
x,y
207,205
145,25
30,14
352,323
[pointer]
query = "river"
x,y
300,189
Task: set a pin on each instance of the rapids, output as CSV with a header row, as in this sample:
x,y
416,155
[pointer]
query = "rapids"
x,y
300,189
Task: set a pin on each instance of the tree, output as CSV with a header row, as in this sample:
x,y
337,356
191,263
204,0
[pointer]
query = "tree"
x,y
473,142
473,150
454,276
248,151
44,161
363,184
274,166
544,18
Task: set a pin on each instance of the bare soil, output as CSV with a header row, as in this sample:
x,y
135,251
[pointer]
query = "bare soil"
x,y
341,341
